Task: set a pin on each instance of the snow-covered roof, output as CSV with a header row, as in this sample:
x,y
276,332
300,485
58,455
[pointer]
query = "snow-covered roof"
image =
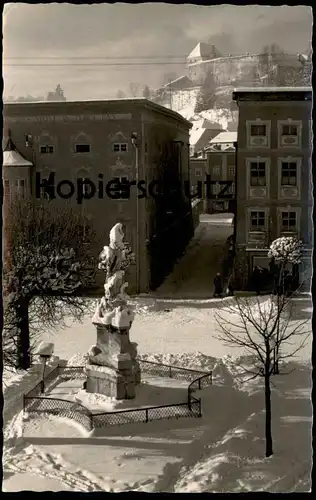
x,y
12,157
272,89
226,148
195,135
207,124
225,137
181,82
202,50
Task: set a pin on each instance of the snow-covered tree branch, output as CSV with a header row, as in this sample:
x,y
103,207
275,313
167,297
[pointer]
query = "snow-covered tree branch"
x,y
49,268
263,326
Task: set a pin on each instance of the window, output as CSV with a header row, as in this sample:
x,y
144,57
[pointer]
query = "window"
x,y
20,187
124,184
44,194
288,221
120,147
257,221
258,133
82,148
7,190
46,149
289,133
231,189
258,130
216,170
289,130
231,171
198,172
85,187
258,173
288,173
215,188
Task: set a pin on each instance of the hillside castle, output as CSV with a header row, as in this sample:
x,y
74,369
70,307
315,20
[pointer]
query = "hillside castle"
x,y
229,72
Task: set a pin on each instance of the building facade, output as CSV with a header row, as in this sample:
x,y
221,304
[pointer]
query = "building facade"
x,y
93,146
274,196
202,132
221,166
218,164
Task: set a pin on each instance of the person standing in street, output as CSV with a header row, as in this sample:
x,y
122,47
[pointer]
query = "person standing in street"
x,y
218,287
230,288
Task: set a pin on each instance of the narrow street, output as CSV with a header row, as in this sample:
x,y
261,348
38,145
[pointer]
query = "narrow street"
x,y
192,277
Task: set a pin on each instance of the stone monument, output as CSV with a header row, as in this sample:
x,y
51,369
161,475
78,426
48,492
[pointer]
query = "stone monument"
x,y
112,368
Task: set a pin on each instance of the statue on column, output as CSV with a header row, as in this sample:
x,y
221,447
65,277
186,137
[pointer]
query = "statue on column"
x,y
112,366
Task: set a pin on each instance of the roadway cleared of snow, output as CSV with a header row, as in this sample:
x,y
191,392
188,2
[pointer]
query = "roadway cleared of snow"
x,y
193,276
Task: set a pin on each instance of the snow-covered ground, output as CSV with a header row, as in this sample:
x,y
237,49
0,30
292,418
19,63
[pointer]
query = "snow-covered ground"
x,y
222,451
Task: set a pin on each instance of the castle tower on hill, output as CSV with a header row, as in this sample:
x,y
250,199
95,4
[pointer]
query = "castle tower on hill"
x,y
202,52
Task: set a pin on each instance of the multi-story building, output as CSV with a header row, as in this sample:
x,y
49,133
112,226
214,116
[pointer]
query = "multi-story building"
x,y
201,133
94,143
217,163
221,167
273,188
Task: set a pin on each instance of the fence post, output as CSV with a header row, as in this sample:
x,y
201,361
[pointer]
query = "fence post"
x,y
146,413
170,374
42,386
199,383
211,377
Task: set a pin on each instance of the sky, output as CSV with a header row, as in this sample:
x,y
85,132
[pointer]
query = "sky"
x,y
100,46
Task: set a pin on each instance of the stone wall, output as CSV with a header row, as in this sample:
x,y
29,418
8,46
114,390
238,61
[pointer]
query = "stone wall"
x,y
180,99
226,70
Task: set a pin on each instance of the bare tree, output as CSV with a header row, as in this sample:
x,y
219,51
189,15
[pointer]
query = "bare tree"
x,y
283,252
134,89
146,92
51,265
120,94
252,324
206,98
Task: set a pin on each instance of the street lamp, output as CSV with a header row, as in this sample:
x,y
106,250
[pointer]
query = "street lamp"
x,y
134,138
45,351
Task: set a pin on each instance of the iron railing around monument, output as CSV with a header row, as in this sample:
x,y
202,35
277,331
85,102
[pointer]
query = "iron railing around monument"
x,y
148,414
170,371
72,372
33,403
60,408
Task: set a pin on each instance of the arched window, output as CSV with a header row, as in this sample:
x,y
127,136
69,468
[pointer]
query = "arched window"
x,y
82,143
47,143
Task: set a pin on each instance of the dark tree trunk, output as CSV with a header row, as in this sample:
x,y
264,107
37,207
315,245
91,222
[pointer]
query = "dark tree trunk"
x,y
267,394
280,293
23,334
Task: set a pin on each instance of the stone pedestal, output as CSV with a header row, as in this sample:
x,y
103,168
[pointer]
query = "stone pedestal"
x,y
118,384
113,369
